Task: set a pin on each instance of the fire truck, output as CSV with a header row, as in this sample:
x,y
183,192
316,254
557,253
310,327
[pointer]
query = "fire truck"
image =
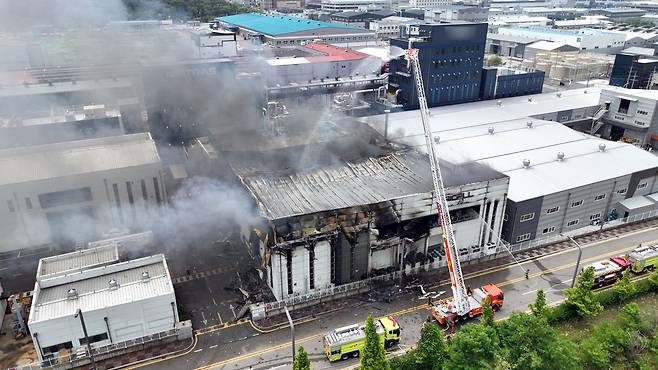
x,y
643,259
445,314
348,341
462,304
608,271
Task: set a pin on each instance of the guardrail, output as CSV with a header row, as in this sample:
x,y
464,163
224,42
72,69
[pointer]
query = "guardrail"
x,y
355,287
74,359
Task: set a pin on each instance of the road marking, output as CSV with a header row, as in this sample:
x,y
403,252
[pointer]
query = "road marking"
x,y
424,306
205,322
278,367
220,319
198,350
213,301
4,268
214,346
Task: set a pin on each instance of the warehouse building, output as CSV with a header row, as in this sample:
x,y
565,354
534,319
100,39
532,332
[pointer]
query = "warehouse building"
x,y
73,191
584,39
630,115
560,179
355,209
509,46
115,301
278,30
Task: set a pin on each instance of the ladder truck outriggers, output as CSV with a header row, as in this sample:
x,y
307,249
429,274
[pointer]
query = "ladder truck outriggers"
x,y
464,303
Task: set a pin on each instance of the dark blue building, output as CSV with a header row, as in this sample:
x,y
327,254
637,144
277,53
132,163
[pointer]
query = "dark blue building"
x,y
633,71
450,56
515,83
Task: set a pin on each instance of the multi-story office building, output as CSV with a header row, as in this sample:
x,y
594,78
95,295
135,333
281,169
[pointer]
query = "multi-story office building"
x,y
451,57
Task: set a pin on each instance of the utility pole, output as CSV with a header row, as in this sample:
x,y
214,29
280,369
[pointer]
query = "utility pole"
x,y
78,314
292,332
580,254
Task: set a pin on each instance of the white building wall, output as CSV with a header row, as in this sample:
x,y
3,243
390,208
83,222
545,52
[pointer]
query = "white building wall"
x,y
22,227
382,258
322,265
128,321
300,270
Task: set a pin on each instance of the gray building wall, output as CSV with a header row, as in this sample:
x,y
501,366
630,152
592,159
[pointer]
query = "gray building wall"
x,y
598,200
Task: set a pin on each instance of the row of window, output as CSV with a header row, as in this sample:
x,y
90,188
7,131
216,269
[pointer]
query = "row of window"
x,y
592,217
643,112
458,49
468,62
578,203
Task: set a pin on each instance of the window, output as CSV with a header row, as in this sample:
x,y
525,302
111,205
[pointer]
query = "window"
x,y
595,216
64,198
552,210
548,230
522,238
10,205
527,217
28,203
624,104
573,222
642,185
599,197
157,191
576,204
621,191
94,338
145,195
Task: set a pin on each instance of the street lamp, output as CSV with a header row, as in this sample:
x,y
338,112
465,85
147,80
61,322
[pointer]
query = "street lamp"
x,y
580,254
292,332
78,314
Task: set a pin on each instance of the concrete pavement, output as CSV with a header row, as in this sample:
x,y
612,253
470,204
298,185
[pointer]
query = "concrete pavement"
x,y
243,347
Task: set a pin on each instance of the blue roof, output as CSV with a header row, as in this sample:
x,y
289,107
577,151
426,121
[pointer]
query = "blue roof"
x,y
269,24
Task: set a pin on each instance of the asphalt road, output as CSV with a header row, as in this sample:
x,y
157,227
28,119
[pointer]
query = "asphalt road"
x,y
243,347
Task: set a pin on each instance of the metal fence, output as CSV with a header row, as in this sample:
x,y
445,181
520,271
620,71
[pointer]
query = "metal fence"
x,y
354,287
83,354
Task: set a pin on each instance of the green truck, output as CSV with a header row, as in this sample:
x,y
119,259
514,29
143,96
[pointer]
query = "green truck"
x,y
643,259
348,341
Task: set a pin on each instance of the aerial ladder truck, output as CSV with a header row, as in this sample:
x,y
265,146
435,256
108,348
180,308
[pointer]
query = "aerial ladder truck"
x,y
464,302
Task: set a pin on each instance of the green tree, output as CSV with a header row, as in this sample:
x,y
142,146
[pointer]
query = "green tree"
x,y
494,60
373,356
653,278
581,296
404,362
487,313
533,344
432,350
539,307
630,318
301,361
624,287
603,347
474,347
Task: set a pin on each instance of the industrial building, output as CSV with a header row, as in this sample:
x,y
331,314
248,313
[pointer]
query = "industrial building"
x,y
215,43
72,191
318,62
509,46
340,206
392,27
630,115
620,13
278,30
556,14
333,6
451,57
89,297
560,179
459,13
584,39
59,125
634,70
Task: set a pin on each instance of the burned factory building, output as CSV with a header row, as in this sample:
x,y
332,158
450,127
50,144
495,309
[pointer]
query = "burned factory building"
x,y
344,206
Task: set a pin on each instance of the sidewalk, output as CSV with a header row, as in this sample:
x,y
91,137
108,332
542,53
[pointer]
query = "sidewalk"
x,y
133,358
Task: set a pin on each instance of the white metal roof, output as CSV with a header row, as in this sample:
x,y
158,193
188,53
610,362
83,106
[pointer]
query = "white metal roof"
x,y
464,138
50,299
42,162
549,45
402,125
76,261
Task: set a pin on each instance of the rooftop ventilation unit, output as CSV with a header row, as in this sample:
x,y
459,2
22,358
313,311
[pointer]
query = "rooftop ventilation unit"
x,y
530,100
437,139
499,103
113,284
560,156
491,130
526,163
559,95
529,124
145,276
602,147
72,294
